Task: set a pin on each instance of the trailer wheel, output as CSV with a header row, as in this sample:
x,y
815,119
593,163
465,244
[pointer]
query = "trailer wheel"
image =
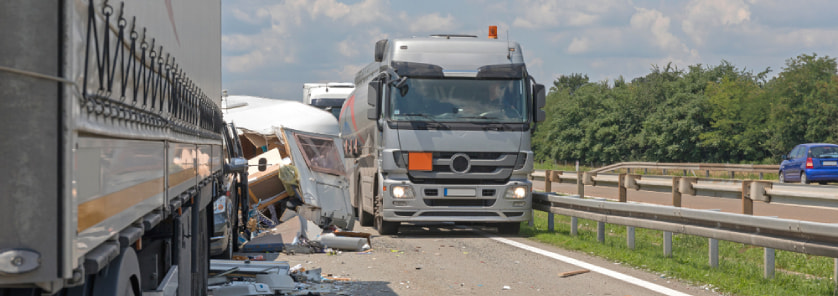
x,y
121,277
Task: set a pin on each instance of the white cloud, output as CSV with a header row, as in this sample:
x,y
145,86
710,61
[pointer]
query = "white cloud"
x,y
579,45
430,23
347,48
706,16
658,24
549,13
808,38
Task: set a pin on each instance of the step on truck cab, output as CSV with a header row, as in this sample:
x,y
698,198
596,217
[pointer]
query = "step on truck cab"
x,y
438,130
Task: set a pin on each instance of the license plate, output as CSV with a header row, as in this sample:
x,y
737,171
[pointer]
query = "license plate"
x,y
831,162
460,192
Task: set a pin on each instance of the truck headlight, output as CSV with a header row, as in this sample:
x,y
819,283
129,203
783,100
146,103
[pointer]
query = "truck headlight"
x,y
220,205
516,192
402,192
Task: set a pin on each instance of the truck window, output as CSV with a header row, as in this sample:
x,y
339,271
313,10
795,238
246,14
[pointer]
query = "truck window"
x,y
459,100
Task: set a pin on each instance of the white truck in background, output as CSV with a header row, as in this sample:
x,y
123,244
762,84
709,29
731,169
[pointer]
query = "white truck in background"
x,y
438,130
113,148
327,96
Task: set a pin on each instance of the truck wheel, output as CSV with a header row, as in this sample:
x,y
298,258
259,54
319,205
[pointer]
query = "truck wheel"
x,y
384,227
121,277
509,228
228,253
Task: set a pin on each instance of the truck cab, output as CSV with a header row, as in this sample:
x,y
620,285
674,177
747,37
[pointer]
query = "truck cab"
x,y
442,133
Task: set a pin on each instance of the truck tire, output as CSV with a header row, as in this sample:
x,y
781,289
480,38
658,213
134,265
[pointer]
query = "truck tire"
x,y
383,227
509,228
228,252
121,277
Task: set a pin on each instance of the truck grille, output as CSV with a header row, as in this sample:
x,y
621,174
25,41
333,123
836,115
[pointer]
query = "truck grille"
x,y
468,168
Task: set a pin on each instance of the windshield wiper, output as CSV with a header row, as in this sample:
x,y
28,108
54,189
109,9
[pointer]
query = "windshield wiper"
x,y
479,117
431,120
423,115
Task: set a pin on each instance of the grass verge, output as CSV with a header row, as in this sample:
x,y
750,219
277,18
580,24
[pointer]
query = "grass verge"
x,y
740,266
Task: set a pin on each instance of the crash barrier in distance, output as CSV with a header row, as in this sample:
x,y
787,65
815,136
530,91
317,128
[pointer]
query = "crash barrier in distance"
x,y
731,169
771,233
823,196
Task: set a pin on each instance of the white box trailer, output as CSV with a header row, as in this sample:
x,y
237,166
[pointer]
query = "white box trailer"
x,y
327,96
112,145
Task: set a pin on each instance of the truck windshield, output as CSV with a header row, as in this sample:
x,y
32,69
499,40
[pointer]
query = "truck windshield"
x,y
459,100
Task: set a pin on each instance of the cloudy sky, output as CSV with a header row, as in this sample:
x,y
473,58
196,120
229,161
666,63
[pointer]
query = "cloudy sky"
x,y
271,47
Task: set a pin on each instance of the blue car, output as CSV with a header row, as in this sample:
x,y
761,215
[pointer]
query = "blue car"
x,y
812,162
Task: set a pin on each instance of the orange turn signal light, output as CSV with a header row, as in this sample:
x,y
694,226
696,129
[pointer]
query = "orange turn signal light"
x,y
493,32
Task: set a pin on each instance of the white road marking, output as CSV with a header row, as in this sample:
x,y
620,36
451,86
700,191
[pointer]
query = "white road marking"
x,y
594,268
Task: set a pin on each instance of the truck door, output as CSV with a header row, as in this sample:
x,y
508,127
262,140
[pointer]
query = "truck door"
x,y
323,182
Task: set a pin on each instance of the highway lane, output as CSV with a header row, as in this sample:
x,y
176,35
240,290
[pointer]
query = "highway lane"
x,y
449,259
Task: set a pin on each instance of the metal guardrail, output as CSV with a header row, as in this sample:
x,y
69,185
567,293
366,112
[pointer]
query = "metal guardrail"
x,y
748,168
805,237
825,196
812,238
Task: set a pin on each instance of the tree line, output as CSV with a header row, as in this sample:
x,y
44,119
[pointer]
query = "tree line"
x,y
717,114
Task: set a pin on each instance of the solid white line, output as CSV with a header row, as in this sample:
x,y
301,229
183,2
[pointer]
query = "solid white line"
x,y
594,268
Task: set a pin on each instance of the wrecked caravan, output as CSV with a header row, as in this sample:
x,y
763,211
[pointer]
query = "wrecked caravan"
x,y
272,130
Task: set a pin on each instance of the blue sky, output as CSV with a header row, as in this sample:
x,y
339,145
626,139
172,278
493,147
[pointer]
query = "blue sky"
x,y
270,48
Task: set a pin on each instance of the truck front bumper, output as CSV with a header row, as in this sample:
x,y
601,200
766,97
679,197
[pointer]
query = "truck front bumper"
x,y
457,203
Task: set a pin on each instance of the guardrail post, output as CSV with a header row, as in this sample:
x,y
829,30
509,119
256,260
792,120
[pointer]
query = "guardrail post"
x,y
835,277
621,188
768,262
676,193
747,202
630,237
548,187
548,182
574,226
714,253
600,231
551,224
760,175
707,174
580,185
667,244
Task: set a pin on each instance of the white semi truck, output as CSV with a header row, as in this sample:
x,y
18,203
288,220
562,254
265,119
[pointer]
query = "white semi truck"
x,y
327,96
113,146
438,130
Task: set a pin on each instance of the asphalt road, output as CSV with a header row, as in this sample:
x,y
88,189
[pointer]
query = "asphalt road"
x,y
448,259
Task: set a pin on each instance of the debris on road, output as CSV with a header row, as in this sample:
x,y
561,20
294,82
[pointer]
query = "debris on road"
x,y
572,273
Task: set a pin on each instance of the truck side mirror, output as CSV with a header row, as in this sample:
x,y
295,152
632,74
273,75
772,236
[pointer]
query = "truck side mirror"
x,y
540,101
263,164
373,96
379,50
236,165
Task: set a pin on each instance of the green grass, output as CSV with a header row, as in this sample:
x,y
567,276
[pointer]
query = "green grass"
x,y
740,266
